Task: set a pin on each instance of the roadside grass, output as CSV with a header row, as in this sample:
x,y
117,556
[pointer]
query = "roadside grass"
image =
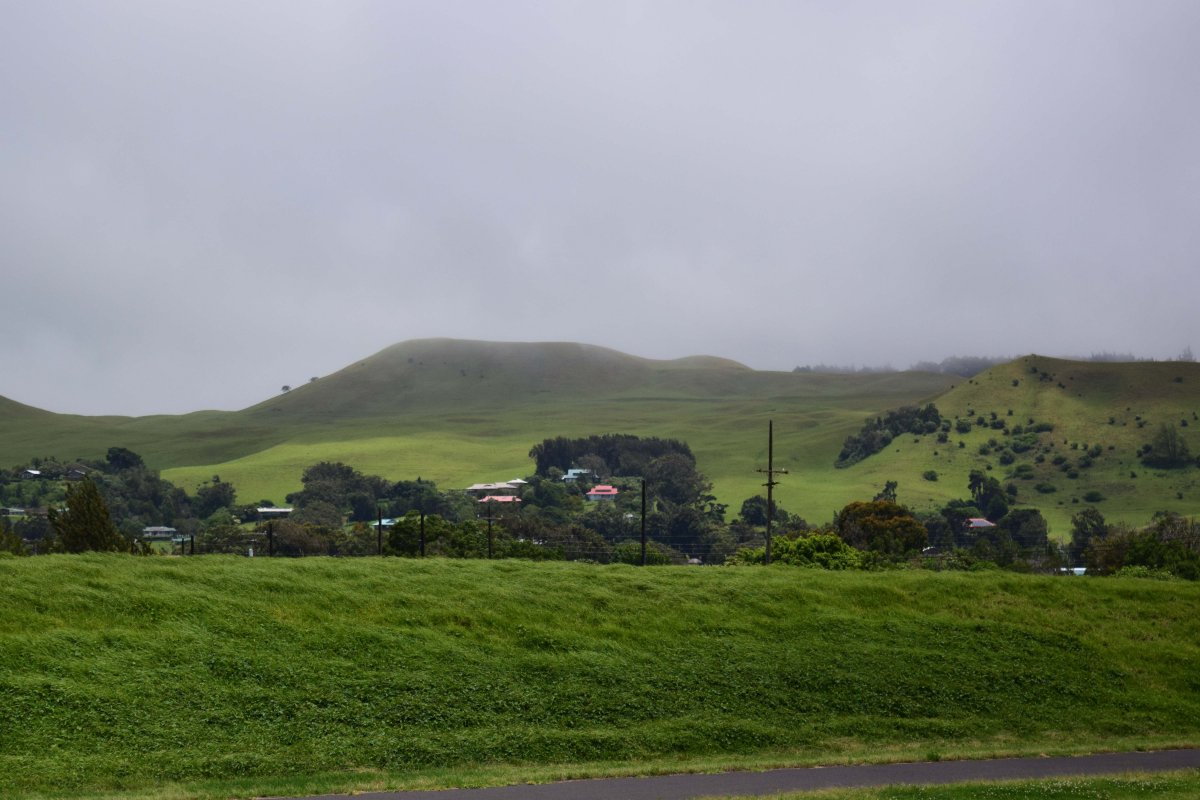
x,y
1184,785
142,676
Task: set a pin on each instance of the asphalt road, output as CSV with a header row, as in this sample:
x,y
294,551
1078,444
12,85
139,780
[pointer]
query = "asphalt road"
x,y
683,787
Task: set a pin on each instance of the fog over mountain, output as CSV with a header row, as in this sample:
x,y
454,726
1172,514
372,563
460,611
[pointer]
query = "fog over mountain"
x,y
203,202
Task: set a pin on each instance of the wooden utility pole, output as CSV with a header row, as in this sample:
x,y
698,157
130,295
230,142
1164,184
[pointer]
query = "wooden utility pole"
x,y
643,522
770,472
491,517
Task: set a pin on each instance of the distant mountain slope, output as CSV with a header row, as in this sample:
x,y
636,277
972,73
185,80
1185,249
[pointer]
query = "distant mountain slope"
x,y
464,411
442,374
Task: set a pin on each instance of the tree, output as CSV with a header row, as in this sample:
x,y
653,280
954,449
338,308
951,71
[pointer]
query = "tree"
x,y
674,478
888,492
214,496
754,511
880,526
84,523
1168,449
1087,526
1027,527
819,550
10,542
120,458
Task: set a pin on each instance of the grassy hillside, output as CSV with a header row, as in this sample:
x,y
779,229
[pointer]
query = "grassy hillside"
x,y
1116,406
119,673
462,412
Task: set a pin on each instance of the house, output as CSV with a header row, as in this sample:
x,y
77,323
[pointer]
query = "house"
x,y
575,474
602,492
31,474
502,488
76,473
158,532
979,523
273,512
500,498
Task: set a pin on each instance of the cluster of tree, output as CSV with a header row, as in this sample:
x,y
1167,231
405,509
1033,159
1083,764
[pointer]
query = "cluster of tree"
x,y
333,492
878,432
606,455
883,532
134,497
1168,546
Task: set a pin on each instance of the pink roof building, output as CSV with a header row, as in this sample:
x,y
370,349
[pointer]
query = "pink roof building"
x,y
602,492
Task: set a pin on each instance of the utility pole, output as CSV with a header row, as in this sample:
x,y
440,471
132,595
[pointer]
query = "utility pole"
x,y
490,519
379,528
770,472
643,522
422,542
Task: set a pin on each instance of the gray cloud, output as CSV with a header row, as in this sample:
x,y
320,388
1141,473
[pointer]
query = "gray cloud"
x,y
201,202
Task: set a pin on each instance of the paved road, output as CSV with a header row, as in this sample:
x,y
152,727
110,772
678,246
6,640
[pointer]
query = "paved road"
x,y
683,787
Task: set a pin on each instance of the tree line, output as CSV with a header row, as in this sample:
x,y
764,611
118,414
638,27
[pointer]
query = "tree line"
x,y
337,512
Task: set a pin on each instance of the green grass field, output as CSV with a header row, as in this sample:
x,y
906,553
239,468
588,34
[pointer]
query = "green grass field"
x,y
220,676
465,412
1170,786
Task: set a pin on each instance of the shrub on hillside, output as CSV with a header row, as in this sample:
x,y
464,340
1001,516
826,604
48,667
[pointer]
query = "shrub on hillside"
x,y
878,432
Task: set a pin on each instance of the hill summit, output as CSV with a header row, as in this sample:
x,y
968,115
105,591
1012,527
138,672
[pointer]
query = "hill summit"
x,y
441,374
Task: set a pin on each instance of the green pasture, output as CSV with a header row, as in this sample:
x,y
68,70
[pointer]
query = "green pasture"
x,y
465,412
220,676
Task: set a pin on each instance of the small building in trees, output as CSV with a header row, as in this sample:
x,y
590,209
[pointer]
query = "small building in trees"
x,y
603,492
158,532
503,488
76,472
578,474
273,512
979,523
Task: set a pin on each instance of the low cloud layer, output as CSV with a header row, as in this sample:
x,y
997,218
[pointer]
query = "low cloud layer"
x,y
201,202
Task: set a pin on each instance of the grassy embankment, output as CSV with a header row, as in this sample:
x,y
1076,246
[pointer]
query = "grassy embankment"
x,y
215,676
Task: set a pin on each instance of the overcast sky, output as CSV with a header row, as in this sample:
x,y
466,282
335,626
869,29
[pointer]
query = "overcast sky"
x,y
202,201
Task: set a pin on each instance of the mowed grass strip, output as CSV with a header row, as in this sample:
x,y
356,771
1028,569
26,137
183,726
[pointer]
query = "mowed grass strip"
x,y
1183,785
118,673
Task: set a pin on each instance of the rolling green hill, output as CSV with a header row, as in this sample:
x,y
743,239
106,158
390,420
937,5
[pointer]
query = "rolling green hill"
x,y
460,412
1115,407
222,676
